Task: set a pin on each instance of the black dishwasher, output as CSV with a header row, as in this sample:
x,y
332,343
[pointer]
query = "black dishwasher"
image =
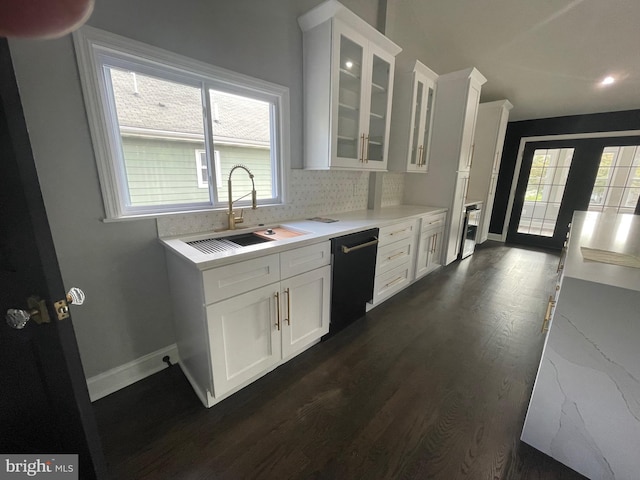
x,y
353,271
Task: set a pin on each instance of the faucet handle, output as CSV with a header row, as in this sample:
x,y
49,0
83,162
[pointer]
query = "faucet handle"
x,y
239,219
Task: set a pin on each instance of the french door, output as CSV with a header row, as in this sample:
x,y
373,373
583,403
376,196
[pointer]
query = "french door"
x,y
558,177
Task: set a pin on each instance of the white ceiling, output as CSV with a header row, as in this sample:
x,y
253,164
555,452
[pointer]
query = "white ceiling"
x,y
546,56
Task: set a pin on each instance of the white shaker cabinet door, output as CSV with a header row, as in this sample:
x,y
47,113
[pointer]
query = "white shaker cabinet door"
x,y
305,301
244,337
430,252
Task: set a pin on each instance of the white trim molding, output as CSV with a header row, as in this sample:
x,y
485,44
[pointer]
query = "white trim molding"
x,y
120,377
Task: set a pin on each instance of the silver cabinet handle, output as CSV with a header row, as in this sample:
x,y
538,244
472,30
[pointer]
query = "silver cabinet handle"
x,y
288,317
277,295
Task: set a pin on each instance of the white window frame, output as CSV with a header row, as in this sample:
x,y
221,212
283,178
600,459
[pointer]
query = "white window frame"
x,y
201,163
94,46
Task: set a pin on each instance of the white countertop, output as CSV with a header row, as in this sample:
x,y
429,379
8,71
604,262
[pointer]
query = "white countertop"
x,y
618,233
314,232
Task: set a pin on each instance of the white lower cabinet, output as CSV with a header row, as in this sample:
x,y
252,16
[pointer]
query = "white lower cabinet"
x,y
240,334
251,333
304,307
395,261
244,338
429,255
391,282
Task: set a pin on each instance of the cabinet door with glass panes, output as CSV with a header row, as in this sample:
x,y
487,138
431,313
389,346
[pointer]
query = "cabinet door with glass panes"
x,y
424,89
362,82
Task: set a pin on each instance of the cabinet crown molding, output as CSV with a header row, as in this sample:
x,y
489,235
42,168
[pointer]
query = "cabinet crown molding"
x,y
424,70
333,9
471,73
506,104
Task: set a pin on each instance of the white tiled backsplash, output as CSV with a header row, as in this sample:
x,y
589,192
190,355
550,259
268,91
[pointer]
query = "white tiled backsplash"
x,y
312,193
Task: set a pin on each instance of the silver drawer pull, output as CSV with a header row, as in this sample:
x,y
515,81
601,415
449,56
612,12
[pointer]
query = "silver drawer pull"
x,y
358,247
395,282
401,254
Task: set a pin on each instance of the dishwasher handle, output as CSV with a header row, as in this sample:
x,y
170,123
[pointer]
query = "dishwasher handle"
x,y
346,249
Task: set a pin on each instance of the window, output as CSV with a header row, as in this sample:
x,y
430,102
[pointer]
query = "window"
x,y
151,112
202,169
617,185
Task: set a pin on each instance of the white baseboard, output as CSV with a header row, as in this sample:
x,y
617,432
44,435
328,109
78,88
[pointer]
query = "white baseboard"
x,y
496,237
113,380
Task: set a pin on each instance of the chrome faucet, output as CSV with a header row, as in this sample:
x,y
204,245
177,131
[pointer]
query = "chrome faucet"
x,y
254,204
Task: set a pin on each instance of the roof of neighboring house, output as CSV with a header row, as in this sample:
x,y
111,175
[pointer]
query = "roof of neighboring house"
x,y
145,102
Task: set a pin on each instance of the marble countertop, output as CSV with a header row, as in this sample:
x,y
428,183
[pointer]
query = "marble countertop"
x,y
619,233
313,232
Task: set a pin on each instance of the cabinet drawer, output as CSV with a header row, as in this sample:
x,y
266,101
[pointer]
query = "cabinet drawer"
x,y
394,255
237,278
433,221
304,259
391,282
395,232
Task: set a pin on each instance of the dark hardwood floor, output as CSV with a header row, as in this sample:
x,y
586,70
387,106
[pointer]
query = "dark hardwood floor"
x,y
433,384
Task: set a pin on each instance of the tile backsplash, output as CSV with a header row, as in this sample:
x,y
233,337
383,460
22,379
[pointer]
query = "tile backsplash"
x,y
311,193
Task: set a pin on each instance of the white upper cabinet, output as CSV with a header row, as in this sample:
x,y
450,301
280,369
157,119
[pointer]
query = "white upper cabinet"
x,y
412,120
348,85
451,151
469,127
491,128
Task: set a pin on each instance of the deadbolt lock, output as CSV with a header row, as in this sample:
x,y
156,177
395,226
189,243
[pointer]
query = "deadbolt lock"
x,y
62,309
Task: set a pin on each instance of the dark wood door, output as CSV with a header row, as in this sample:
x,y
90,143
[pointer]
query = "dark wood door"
x,y
44,402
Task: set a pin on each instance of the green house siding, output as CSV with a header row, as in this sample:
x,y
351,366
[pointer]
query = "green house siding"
x,y
258,160
164,171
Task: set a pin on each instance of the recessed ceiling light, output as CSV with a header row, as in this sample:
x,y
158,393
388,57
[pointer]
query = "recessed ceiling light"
x,y
608,80
348,64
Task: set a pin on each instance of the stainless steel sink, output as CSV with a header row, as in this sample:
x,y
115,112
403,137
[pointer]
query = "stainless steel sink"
x,y
245,239
225,244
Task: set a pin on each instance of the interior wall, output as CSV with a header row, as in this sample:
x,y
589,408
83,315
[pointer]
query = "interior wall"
x,y
121,265
599,122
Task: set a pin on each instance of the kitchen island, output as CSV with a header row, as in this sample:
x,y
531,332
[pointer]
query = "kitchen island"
x,y
585,406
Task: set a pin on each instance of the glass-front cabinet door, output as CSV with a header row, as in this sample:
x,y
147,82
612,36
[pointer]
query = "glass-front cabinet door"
x,y
379,110
348,79
363,75
421,120
349,137
415,153
426,125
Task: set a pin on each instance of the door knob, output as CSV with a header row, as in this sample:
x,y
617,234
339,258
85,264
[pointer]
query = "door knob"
x,y
17,318
37,311
75,296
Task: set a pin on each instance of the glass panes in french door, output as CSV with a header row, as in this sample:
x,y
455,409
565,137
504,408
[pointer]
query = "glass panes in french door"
x,y
544,191
617,185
